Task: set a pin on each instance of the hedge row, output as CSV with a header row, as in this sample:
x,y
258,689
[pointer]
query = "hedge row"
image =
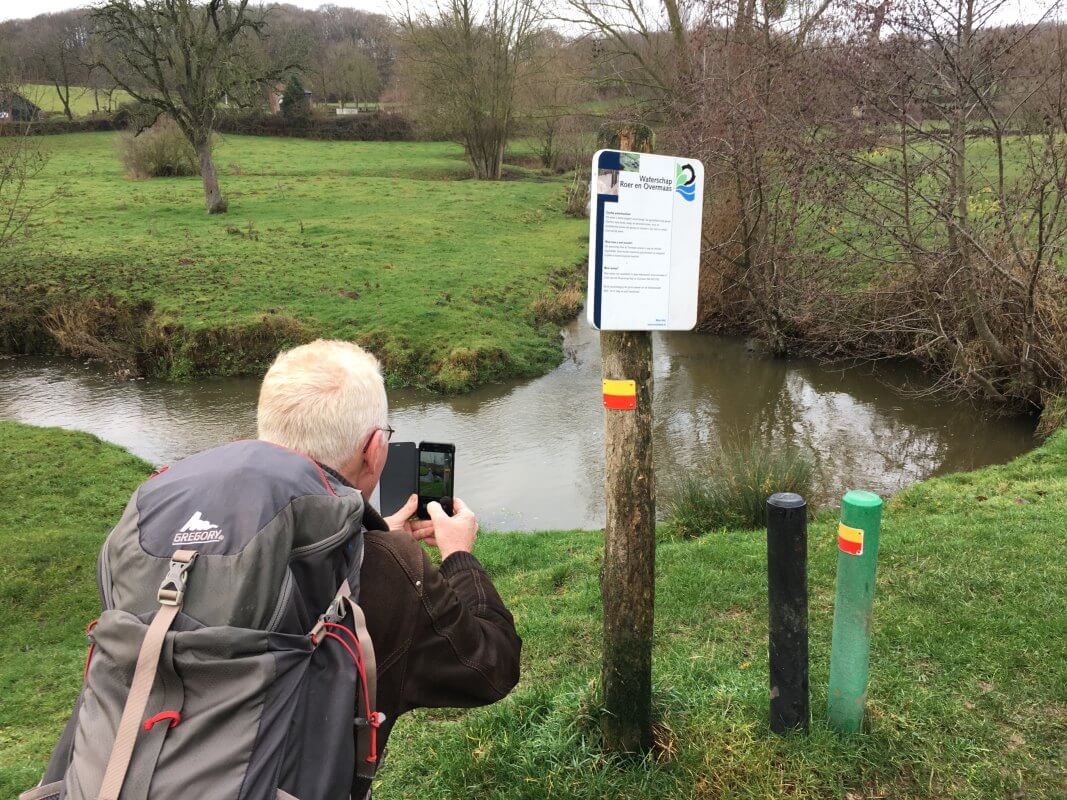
x,y
54,126
370,127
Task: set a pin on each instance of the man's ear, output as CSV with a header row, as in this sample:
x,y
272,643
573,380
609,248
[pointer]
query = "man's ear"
x,y
378,451
372,459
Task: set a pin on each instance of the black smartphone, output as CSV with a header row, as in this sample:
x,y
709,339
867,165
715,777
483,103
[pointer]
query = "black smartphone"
x,y
398,477
436,476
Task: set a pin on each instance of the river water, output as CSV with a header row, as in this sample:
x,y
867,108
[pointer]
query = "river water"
x,y
529,455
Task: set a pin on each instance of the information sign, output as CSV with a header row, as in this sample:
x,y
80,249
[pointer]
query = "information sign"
x,y
644,241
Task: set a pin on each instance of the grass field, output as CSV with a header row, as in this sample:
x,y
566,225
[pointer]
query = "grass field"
x,y
377,242
968,697
82,100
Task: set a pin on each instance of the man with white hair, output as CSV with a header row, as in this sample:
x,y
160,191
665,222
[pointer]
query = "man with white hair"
x,y
442,635
254,602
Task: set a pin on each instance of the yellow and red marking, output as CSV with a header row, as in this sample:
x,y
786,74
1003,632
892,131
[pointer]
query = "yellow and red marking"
x,y
850,540
620,395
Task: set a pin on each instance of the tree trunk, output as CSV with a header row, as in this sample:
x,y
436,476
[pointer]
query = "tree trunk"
x,y
65,100
498,159
627,579
212,193
681,45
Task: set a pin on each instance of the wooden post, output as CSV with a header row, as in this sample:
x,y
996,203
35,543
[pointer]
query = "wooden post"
x,y
627,579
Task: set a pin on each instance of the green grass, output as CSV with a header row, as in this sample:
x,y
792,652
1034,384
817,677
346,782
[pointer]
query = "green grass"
x,y
369,241
82,102
968,695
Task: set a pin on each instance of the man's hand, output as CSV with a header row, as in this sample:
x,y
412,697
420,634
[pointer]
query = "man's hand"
x,y
404,520
453,534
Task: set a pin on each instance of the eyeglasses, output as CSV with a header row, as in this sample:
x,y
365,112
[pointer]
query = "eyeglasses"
x,y
388,430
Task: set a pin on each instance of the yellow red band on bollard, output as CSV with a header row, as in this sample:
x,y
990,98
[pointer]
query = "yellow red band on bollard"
x,y
850,540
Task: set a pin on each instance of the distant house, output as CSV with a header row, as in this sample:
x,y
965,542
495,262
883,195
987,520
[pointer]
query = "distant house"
x,y
275,94
13,106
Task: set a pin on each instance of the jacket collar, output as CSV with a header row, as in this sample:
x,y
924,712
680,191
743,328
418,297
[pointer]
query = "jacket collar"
x,y
372,520
335,475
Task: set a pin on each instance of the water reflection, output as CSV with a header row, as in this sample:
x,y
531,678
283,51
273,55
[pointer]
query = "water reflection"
x,y
529,455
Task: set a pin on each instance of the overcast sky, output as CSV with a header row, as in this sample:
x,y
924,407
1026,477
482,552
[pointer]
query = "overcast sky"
x,y
1026,10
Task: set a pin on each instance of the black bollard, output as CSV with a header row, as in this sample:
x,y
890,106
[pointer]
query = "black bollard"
x,y
787,594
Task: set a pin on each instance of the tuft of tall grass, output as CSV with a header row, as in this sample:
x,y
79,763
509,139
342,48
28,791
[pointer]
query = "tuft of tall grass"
x,y
733,492
558,306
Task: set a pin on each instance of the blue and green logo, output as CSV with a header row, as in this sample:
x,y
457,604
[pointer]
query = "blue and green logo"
x,y
685,181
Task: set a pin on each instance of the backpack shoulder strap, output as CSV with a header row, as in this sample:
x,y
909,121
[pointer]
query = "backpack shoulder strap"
x,y
367,723
171,595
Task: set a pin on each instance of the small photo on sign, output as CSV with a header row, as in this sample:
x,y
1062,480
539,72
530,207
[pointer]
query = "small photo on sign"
x,y
630,162
607,182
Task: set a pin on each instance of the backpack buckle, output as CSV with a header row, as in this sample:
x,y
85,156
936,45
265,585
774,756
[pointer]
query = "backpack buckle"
x,y
333,614
172,589
335,611
375,721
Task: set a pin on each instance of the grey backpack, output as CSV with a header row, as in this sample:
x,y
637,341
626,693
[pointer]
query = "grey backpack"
x,y
231,659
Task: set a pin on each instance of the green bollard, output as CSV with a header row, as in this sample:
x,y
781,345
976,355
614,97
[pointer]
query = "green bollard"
x,y
850,649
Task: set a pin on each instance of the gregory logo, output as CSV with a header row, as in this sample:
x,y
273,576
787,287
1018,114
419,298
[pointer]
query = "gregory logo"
x,y
198,531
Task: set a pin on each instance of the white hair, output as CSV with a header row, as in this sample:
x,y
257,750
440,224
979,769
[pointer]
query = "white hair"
x,y
322,399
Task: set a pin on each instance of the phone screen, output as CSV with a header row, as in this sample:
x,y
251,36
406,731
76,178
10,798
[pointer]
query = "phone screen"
x,y
436,470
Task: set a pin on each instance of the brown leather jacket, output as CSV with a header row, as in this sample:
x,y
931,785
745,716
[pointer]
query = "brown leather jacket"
x,y
442,636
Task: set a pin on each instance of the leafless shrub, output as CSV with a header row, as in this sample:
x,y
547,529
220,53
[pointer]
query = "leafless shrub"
x,y
956,206
761,118
577,197
551,98
465,62
161,151
883,198
21,159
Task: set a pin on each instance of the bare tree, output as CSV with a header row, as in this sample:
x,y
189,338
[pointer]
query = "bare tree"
x,y
884,179
467,63
21,159
641,46
10,50
761,115
181,58
352,74
98,51
551,101
335,35
960,194
57,53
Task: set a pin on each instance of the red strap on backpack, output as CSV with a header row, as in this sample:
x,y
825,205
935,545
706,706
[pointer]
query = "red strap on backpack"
x,y
174,717
373,717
